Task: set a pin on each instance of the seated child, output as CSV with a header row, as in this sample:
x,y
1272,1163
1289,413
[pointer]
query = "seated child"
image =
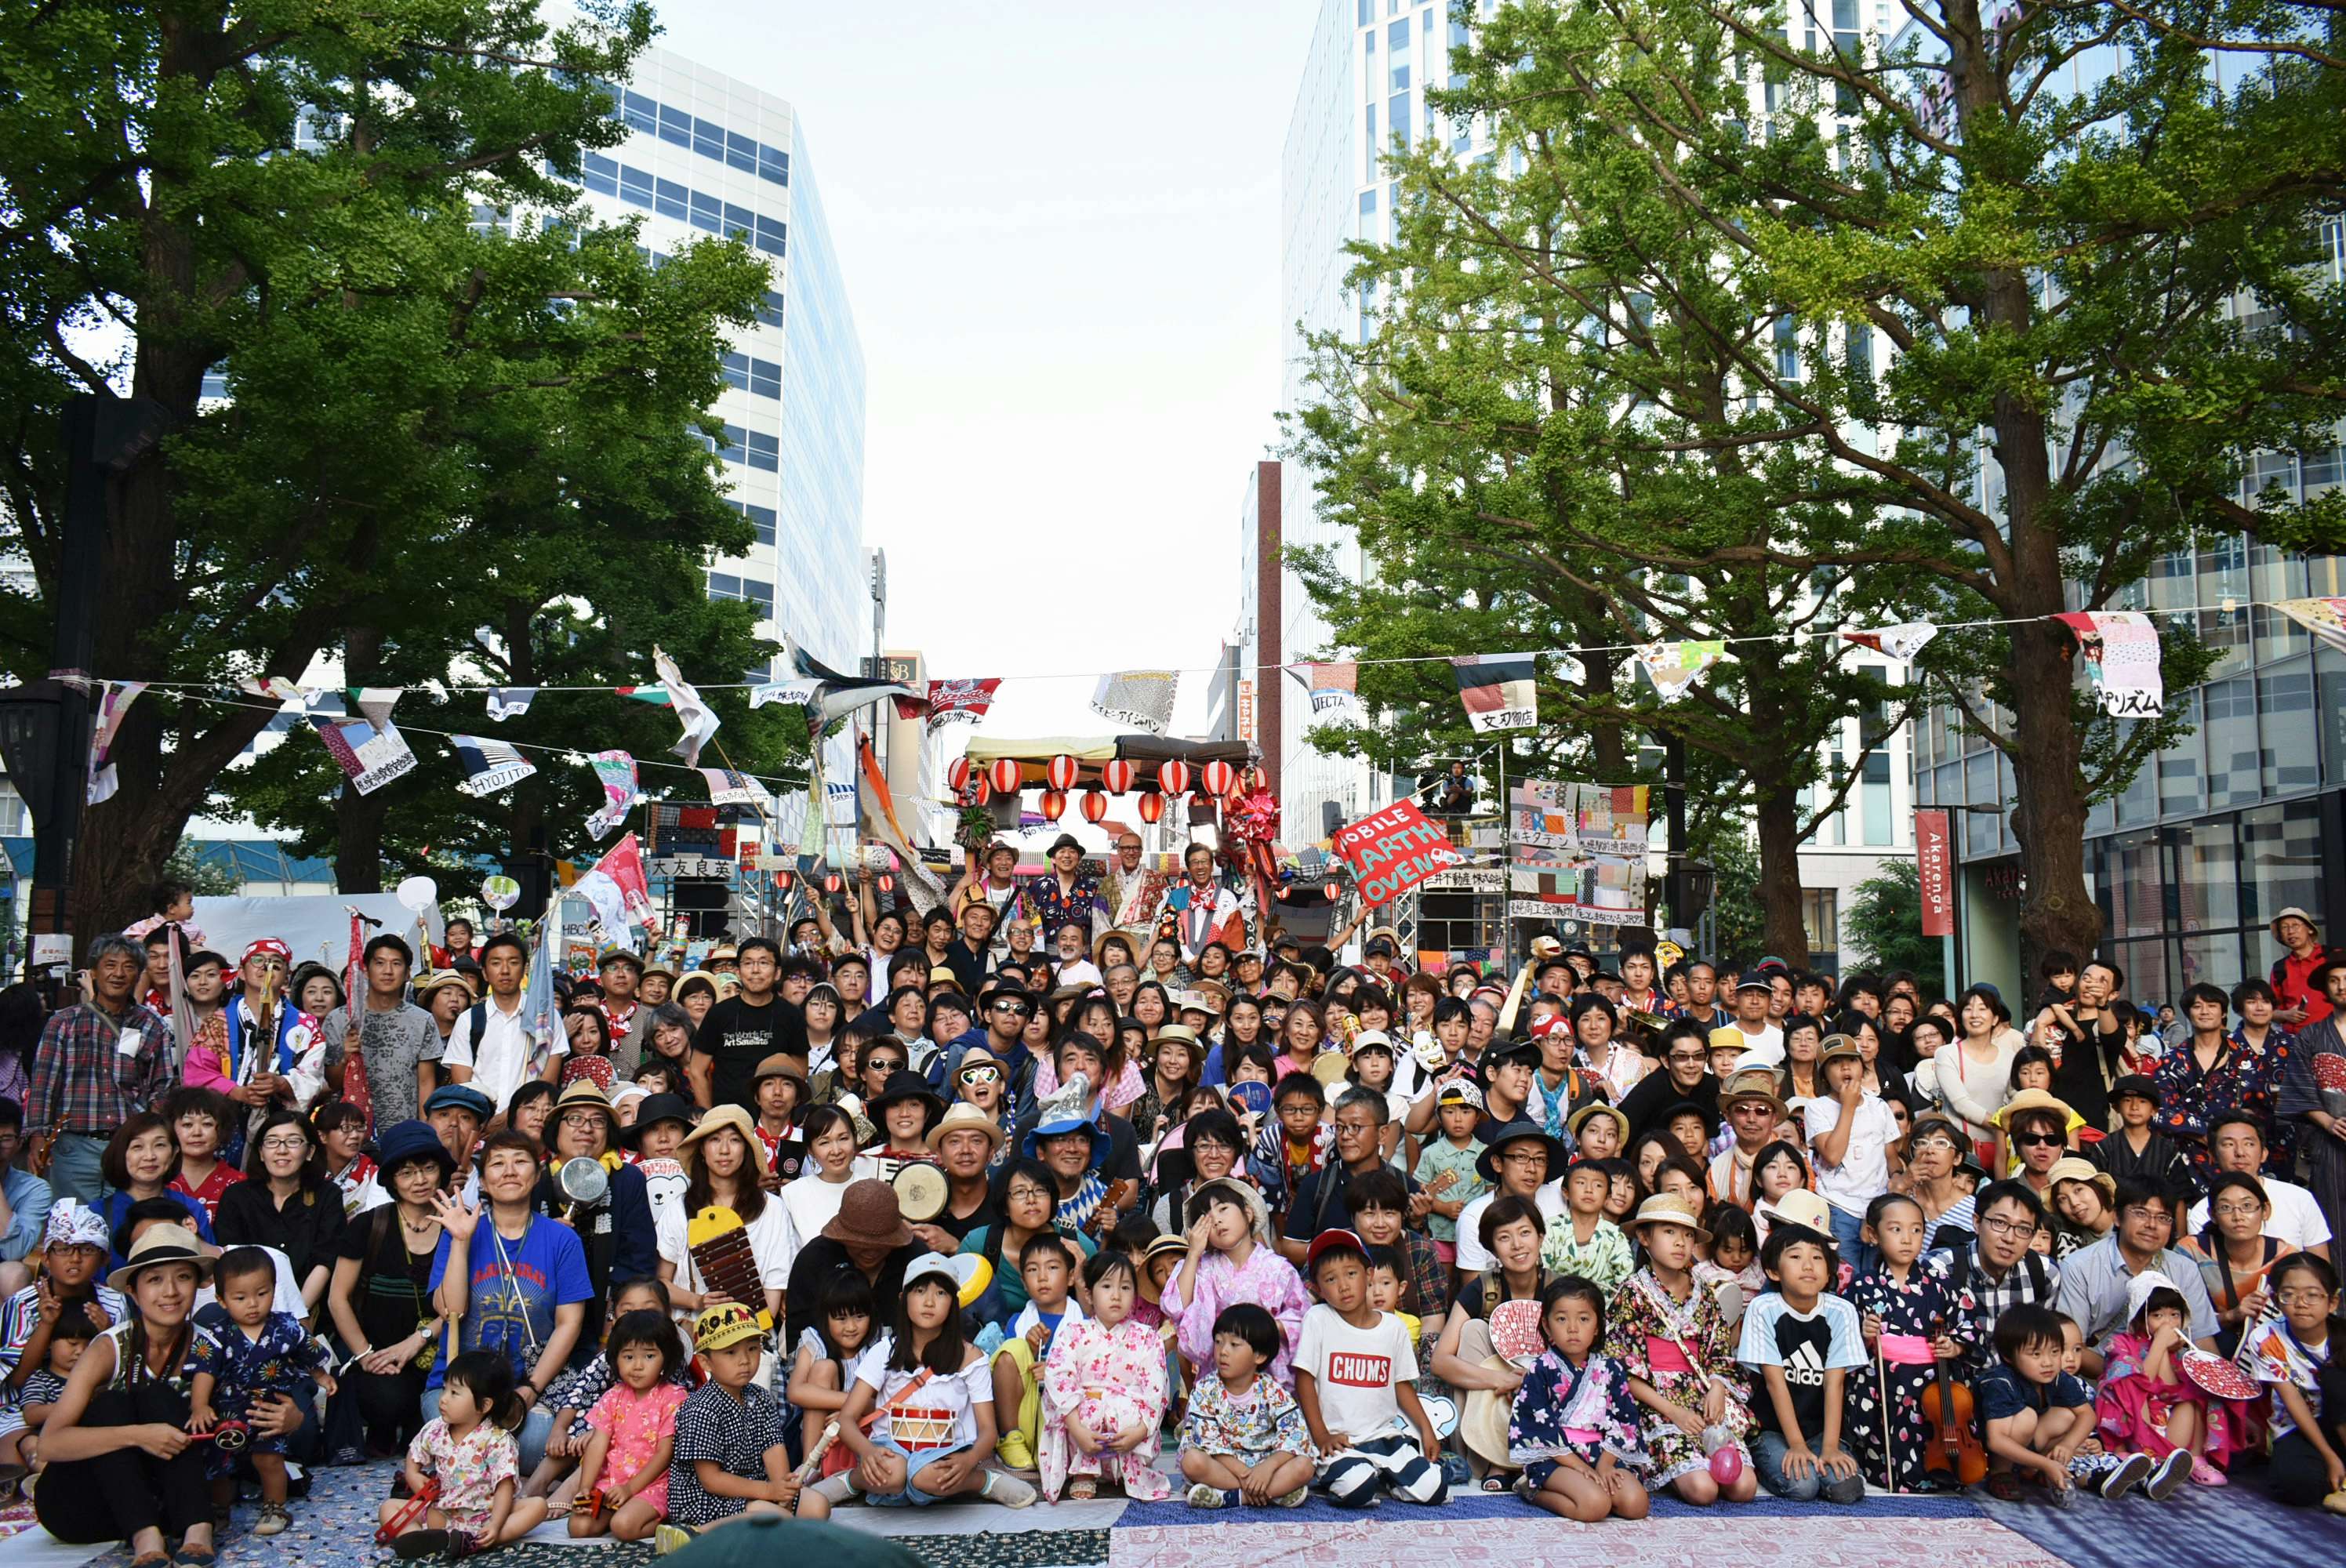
x,y
2296,1353
1104,1392
75,1246
1734,1254
623,1477
263,1352
1243,1439
932,1402
2034,1417
826,1350
1356,1380
730,1460
468,1453
574,1392
1047,1264
1386,1290
1573,1426
1582,1241
69,1335
1800,1342
2147,1410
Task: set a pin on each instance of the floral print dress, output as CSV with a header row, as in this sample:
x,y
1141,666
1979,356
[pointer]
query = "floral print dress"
x,y
1249,1427
2243,1077
1919,1306
1267,1280
1649,1328
637,1422
469,1471
1586,1411
1109,1378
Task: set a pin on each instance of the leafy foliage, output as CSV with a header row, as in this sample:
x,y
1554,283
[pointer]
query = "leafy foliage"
x,y
1884,920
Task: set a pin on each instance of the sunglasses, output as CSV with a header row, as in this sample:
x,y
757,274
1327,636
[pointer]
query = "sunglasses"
x,y
1016,1009
983,1073
2039,1140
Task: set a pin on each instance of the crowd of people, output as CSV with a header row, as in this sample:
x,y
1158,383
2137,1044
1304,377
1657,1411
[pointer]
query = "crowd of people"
x,y
1069,1183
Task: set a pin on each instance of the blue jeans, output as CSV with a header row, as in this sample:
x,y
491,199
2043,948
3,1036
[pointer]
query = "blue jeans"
x,y
536,1428
911,1496
1768,1451
74,1168
1847,1229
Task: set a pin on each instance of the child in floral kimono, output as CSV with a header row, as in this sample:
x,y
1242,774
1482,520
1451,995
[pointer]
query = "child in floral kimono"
x,y
2147,1405
1229,1259
1575,1426
1105,1376
1909,1309
1243,1438
1673,1339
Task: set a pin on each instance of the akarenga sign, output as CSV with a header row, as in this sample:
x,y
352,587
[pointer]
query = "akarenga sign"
x,y
1394,850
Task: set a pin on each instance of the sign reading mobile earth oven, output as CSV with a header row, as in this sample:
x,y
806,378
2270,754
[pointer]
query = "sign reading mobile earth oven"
x,y
1394,850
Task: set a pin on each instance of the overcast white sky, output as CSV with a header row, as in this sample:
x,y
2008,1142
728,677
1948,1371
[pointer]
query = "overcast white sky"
x,y
1059,225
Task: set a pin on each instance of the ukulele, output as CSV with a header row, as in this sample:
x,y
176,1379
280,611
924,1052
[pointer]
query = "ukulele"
x,y
1954,1445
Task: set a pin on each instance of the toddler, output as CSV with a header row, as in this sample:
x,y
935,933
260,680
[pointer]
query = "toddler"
x,y
623,1477
2147,1410
729,1459
69,1335
1243,1439
2036,1417
467,1452
261,1351
1104,1392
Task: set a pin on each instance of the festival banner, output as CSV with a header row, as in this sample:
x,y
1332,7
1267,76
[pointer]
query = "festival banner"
x,y
617,888
1934,860
960,701
491,765
797,693
615,772
700,722
114,698
369,749
730,787
277,687
1674,667
1501,691
1578,852
2121,653
1901,642
1335,691
1142,698
2325,618
1392,850
657,696
509,701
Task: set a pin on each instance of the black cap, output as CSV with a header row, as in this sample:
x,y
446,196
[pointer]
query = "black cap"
x,y
2134,1084
1067,841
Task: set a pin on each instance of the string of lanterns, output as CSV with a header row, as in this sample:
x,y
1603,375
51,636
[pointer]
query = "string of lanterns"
x,y
1220,781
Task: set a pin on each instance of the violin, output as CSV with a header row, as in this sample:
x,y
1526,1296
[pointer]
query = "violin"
x,y
1954,1445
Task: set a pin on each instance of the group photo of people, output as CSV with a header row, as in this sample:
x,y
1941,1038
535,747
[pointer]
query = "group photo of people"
x,y
1074,1185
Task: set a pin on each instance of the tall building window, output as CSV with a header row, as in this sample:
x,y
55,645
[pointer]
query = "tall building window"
x,y
1788,348
1397,111
1371,143
1820,923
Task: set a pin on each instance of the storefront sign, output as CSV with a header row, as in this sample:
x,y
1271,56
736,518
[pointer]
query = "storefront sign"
x,y
1932,860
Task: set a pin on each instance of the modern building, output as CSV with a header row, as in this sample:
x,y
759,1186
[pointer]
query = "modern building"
x,y
711,156
1363,86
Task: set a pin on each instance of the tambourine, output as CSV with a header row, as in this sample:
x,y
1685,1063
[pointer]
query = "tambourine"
x,y
2218,1376
921,1193
1330,1066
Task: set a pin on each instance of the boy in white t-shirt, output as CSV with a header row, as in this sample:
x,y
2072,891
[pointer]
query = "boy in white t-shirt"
x,y
1356,1378
1850,1134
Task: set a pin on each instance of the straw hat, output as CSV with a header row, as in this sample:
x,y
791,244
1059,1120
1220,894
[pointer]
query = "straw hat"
x,y
966,1117
2033,1100
1663,1208
162,1244
726,1115
2072,1168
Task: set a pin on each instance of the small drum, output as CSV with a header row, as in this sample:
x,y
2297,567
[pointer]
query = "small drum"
x,y
921,1193
231,1437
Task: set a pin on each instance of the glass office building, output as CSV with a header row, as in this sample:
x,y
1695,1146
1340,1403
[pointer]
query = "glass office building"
x,y
713,155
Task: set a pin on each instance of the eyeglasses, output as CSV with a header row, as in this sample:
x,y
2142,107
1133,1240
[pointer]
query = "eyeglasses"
x,y
1026,1195
292,1146
2240,1210
2038,1140
2002,1227
1525,1157
2303,1296
2140,1212
1935,1141
583,1121
1016,1009
1690,1058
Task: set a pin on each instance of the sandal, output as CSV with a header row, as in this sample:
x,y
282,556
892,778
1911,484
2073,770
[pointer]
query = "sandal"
x,y
1082,1489
188,1556
275,1519
1497,1484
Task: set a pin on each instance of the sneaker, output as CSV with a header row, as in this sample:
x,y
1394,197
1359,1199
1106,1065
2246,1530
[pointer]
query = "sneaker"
x,y
1295,1499
274,1520
2125,1476
1013,1451
2167,1476
667,1539
1007,1490
1200,1495
418,1544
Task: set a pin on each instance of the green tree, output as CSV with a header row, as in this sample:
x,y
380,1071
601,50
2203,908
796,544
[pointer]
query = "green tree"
x,y
286,193
1884,920
2036,284
1739,922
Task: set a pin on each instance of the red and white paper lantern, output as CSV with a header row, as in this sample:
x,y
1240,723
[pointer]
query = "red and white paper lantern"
x,y
1152,806
1173,777
1004,774
1117,776
1053,803
1062,773
1094,805
1219,778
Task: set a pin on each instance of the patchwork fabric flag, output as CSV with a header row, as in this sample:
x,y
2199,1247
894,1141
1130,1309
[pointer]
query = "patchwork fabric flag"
x,y
491,765
1335,689
1499,690
275,685
959,701
368,748
114,700
2325,618
1901,642
615,772
730,787
655,694
509,701
2120,648
700,721
617,888
1142,698
1674,666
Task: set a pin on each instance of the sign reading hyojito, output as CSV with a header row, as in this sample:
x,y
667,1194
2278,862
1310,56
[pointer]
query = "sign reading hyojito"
x,y
1395,850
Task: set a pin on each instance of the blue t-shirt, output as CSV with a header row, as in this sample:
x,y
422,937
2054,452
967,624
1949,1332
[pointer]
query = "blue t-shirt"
x,y
2003,1393
117,1204
511,1309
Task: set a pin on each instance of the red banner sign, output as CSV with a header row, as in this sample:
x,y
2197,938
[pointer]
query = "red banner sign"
x,y
1394,850
1934,860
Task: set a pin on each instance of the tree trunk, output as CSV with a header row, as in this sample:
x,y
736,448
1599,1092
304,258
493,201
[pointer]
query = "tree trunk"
x,y
2057,910
1779,815
359,819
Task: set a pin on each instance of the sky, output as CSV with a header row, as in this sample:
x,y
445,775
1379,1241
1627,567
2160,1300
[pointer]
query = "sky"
x,y
1058,223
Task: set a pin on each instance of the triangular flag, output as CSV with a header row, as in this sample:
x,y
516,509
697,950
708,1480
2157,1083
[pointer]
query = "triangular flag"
x,y
2120,648
655,694
509,701
1142,698
1901,642
700,721
1673,667
877,782
2325,618
730,787
960,701
491,765
114,701
615,772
